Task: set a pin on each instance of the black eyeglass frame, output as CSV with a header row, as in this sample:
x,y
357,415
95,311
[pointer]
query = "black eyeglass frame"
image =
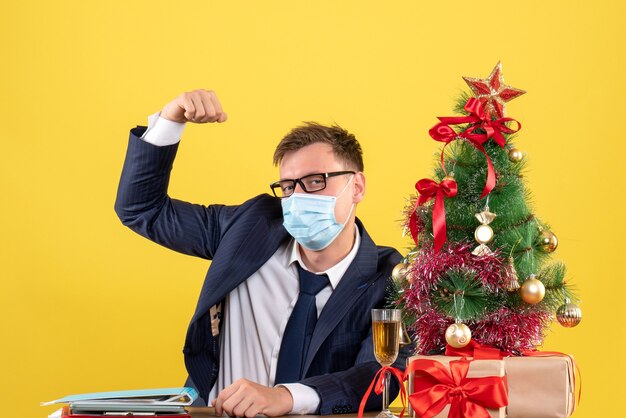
x,y
277,184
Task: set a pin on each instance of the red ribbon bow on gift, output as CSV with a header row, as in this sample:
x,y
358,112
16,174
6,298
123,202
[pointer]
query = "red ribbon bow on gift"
x,y
429,189
480,120
379,382
435,387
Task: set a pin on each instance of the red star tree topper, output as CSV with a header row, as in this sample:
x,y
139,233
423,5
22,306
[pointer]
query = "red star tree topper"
x,y
492,92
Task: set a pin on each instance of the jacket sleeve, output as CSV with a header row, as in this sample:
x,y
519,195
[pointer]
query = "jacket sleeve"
x,y
144,206
341,392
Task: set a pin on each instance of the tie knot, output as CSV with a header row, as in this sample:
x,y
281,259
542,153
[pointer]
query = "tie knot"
x,y
311,283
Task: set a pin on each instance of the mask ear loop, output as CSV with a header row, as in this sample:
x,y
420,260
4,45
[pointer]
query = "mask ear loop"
x,y
351,207
345,187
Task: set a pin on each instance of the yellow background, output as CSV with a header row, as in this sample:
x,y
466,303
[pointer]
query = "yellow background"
x,y
88,306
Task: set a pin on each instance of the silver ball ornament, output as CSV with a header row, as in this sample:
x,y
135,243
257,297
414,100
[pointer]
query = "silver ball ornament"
x,y
569,315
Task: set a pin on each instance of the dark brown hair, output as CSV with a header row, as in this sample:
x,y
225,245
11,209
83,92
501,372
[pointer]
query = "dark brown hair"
x,y
345,146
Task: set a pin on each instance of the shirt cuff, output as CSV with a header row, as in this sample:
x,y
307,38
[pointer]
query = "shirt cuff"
x,y
162,132
305,399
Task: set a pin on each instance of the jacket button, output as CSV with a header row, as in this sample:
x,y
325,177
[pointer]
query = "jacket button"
x,y
341,409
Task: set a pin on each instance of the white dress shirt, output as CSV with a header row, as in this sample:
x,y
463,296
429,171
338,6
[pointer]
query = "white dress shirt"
x,y
252,332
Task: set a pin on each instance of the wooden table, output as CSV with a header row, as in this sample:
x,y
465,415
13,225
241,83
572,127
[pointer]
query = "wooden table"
x,y
206,412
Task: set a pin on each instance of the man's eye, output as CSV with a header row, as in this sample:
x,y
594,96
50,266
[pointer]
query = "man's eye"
x,y
315,182
287,188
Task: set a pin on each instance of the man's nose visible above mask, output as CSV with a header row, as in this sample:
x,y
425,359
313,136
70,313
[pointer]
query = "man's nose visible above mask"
x,y
298,189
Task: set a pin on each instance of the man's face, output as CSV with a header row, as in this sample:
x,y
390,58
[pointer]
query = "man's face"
x,y
320,158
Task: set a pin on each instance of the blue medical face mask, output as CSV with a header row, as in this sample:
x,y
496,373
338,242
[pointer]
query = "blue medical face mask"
x,y
310,219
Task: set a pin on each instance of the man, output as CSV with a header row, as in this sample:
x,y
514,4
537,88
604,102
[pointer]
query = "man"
x,y
259,341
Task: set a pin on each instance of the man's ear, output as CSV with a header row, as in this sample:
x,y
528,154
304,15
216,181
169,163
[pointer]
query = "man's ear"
x,y
359,187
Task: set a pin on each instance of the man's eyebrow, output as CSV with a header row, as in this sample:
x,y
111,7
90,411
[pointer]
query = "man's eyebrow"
x,y
311,173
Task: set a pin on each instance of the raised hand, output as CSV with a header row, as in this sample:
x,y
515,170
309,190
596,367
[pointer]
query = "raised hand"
x,y
198,106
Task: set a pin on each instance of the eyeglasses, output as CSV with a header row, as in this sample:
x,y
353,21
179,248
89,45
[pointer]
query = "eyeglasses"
x,y
310,183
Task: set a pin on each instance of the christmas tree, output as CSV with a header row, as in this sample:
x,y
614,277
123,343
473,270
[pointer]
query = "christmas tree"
x,y
481,267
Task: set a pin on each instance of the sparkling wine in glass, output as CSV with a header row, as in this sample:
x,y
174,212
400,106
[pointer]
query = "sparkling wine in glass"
x,y
386,336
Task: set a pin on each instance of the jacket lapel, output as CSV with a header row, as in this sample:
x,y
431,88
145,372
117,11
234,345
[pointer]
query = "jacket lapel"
x,y
241,256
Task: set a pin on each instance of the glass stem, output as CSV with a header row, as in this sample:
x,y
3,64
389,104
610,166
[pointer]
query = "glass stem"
x,y
386,391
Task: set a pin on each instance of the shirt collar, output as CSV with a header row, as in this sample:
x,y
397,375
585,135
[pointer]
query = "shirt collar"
x,y
336,272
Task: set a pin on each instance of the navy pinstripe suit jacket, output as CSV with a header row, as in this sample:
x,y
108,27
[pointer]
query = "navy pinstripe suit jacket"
x,y
240,239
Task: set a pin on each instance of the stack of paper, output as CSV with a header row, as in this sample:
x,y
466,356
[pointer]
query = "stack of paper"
x,y
170,403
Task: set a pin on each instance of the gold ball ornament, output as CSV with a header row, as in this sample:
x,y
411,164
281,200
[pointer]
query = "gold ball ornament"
x,y
569,315
399,272
483,234
458,335
547,241
532,290
515,155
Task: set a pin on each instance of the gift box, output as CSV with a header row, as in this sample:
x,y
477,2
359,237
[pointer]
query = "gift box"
x,y
540,386
460,383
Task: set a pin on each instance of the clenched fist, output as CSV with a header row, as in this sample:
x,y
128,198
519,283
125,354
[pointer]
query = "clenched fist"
x,y
198,106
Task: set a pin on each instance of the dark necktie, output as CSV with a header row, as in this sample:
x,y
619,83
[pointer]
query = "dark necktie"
x,y
299,329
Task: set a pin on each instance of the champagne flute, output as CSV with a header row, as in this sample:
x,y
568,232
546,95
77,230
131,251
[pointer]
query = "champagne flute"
x,y
386,336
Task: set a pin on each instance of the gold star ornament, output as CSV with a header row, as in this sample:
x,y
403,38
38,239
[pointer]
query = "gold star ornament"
x,y
492,92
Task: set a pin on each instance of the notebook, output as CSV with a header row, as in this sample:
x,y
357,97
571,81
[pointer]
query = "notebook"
x,y
148,402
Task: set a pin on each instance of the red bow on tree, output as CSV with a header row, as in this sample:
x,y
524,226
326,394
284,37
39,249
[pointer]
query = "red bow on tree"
x,y
480,120
429,189
435,387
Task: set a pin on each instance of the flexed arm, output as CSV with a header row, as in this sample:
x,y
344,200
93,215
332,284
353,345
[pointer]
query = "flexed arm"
x,y
142,201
